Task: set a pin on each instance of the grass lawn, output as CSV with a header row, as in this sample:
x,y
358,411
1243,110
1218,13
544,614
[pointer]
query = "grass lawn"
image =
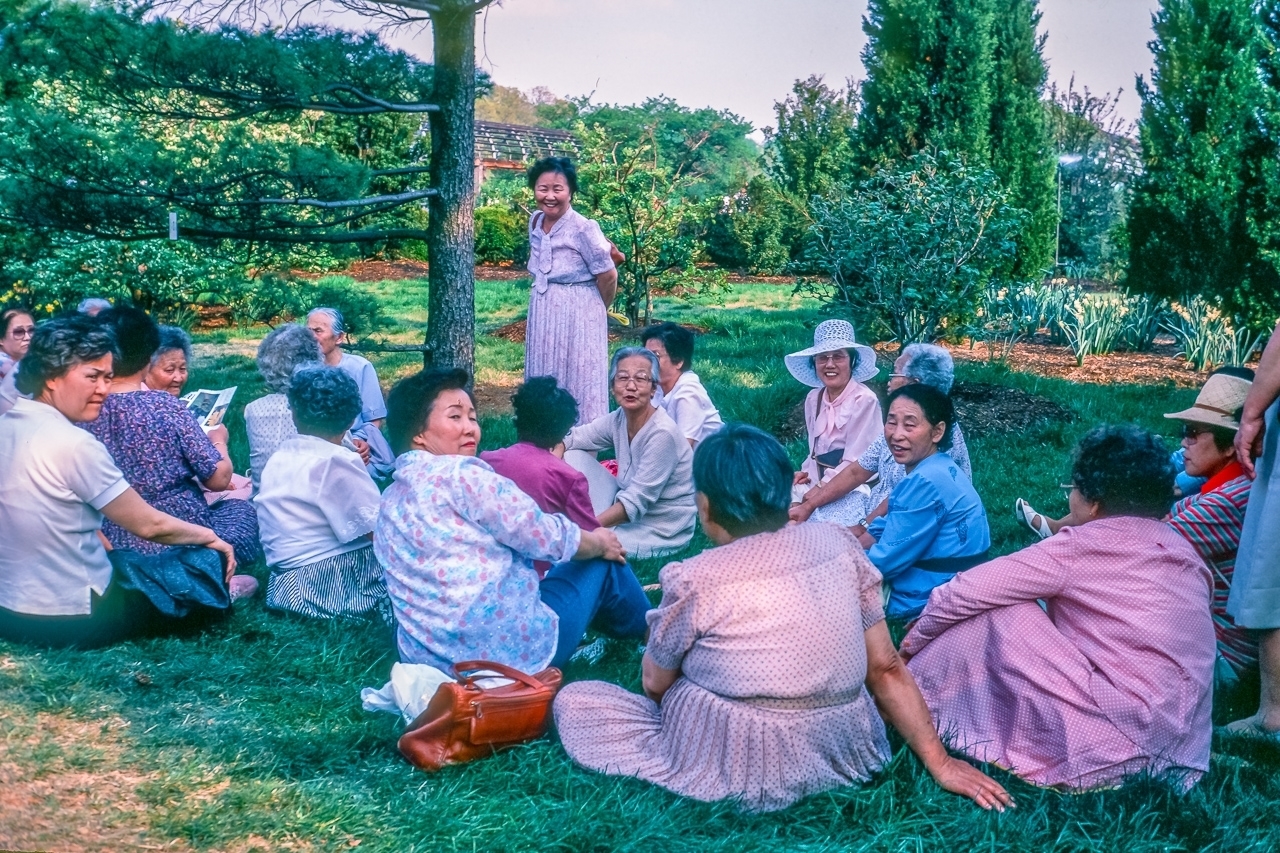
x,y
250,736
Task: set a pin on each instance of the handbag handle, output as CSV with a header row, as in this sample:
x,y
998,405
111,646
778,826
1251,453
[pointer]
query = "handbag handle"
x,y
474,665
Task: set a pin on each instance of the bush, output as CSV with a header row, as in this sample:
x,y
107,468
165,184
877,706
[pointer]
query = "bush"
x,y
274,299
756,229
502,235
165,278
909,250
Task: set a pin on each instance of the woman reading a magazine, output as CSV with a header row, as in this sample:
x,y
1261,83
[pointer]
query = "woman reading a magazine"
x,y
163,452
61,587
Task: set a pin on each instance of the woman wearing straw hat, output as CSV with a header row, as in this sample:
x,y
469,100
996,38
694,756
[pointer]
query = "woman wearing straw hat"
x,y
841,415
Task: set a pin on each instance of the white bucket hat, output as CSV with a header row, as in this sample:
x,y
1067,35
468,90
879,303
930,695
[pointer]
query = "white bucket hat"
x,y
829,336
1218,402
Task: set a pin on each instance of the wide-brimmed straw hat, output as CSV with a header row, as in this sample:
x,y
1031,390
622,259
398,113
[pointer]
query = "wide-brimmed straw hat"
x,y
832,335
1218,403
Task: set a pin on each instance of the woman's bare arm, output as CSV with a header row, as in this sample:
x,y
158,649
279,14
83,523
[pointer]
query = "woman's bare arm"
x,y
656,680
613,516
842,483
607,284
900,703
141,519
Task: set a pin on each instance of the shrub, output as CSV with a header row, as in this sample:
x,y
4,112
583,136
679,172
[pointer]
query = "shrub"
x,y
1207,337
909,250
502,235
274,299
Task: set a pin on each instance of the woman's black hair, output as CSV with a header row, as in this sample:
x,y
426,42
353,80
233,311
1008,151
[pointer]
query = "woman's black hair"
x,y
59,345
676,339
7,315
325,401
1126,470
562,165
544,412
937,407
137,337
410,401
746,477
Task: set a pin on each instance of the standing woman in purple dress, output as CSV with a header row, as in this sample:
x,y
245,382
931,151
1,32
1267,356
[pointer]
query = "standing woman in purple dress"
x,y
574,281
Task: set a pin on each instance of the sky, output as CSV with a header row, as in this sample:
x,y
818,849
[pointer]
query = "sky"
x,y
744,55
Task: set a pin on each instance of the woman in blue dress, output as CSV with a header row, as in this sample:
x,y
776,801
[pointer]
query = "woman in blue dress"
x,y
936,525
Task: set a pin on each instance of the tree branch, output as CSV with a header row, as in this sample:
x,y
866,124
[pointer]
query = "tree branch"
x,y
398,198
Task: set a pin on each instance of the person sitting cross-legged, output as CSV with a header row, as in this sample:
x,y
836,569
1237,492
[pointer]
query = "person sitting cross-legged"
x,y
936,525
61,585
317,507
766,660
1089,656
163,452
457,542
649,505
544,412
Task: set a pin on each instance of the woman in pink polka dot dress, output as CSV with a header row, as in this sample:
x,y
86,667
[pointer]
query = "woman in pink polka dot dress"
x,y
1113,675
766,661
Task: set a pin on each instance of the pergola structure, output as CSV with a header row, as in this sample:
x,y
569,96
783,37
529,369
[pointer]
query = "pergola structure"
x,y
511,147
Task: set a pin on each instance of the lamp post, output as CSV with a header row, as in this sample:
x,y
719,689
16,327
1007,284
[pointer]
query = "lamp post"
x,y
1063,161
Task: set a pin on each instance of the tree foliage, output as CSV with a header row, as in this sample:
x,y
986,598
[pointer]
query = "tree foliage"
x,y
909,250
964,76
644,207
1201,218
113,120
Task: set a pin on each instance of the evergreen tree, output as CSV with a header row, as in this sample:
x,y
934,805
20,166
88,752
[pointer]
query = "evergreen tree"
x,y
964,76
1199,218
1021,149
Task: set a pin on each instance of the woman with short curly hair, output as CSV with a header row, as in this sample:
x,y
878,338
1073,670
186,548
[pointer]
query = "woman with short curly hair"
x,y
267,420
317,505
1113,675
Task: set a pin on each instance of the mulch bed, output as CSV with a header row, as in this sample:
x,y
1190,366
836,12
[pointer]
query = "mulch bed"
x,y
1043,358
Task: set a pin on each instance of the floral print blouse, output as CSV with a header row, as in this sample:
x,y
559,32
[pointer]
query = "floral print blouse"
x,y
457,542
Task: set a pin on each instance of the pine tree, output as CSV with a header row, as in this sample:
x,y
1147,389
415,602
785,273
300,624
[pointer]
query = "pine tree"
x,y
1199,218
965,76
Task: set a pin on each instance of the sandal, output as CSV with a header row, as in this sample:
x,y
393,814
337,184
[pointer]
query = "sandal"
x,y
1027,516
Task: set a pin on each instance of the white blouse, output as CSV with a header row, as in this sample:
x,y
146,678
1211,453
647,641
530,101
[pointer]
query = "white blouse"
x,y
691,408
56,480
316,501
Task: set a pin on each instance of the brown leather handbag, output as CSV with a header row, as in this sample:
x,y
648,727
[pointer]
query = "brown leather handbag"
x,y
464,721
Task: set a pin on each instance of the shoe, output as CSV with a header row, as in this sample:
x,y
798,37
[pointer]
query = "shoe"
x,y
242,586
1028,516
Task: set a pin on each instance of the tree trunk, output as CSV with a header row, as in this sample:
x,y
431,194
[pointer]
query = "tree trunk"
x,y
451,225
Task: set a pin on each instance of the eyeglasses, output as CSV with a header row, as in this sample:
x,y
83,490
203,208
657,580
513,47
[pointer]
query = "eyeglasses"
x,y
626,378
23,331
899,376
1067,488
831,357
1194,431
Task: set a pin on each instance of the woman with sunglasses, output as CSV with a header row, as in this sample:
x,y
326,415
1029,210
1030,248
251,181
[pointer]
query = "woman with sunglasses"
x,y
17,325
1088,657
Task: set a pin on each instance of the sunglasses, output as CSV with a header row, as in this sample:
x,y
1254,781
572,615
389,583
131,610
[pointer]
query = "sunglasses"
x,y
1194,431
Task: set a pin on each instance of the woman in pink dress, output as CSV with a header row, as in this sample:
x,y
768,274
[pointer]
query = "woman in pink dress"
x,y
766,660
574,282
1113,676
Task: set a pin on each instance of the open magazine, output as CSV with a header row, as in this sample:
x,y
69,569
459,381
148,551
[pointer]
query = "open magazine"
x,y
209,407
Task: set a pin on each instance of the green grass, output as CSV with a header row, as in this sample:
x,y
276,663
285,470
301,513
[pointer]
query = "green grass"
x,y
251,736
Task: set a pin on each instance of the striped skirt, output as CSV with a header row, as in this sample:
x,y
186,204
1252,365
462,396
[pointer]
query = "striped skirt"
x,y
348,585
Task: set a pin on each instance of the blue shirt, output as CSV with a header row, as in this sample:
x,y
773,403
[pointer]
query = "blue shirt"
x,y
934,514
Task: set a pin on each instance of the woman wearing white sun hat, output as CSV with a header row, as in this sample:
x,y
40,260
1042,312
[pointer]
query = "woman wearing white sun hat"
x,y
842,416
